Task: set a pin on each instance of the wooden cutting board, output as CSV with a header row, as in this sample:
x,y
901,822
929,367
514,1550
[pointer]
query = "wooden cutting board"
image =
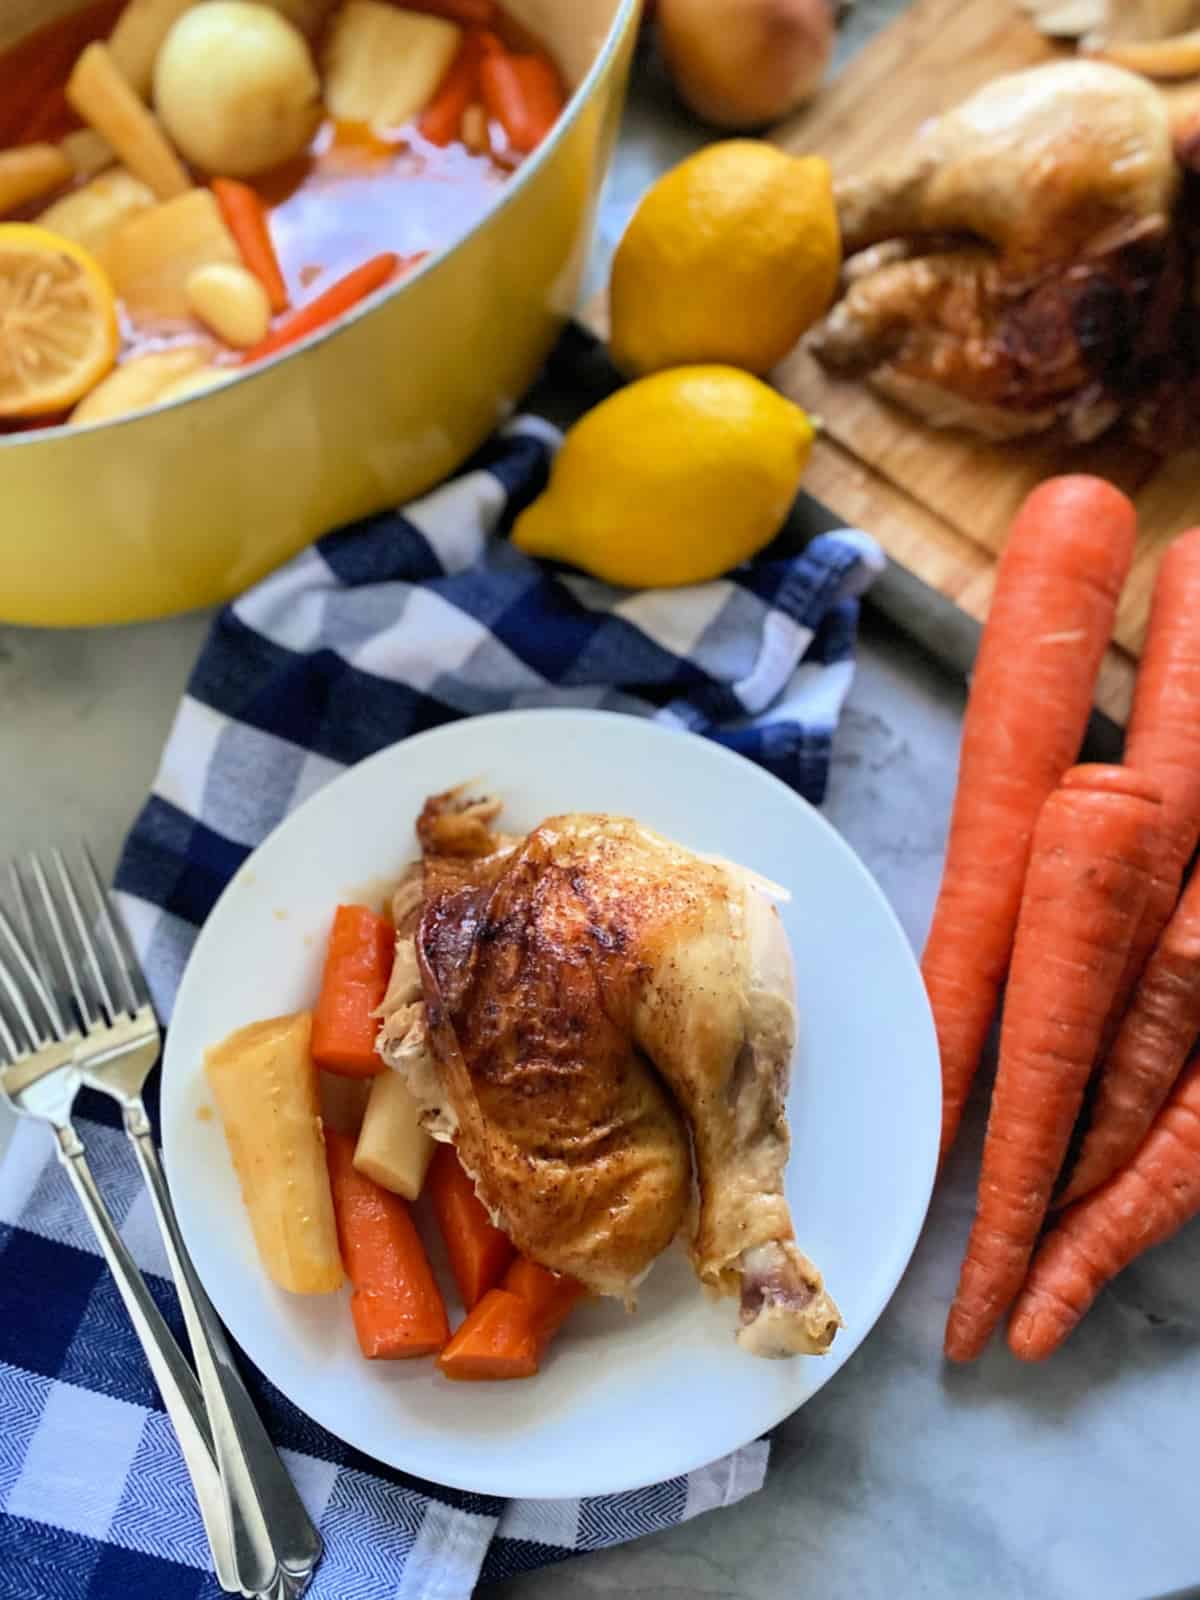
x,y
941,502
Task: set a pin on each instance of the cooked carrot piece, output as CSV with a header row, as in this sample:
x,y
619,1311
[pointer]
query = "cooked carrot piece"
x,y
339,298
441,120
1140,1206
496,1341
524,96
1089,874
246,218
1050,622
550,1296
479,1252
397,1308
470,13
358,963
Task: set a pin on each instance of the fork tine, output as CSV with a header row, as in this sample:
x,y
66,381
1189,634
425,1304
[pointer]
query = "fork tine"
x,y
86,943
39,973
7,1042
86,1014
126,970
20,1005
12,989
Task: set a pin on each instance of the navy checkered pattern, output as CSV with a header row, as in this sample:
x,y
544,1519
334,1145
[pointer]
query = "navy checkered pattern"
x,y
383,629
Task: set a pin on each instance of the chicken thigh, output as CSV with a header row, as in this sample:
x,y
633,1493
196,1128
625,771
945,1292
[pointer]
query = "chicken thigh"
x,y
1023,264
602,1006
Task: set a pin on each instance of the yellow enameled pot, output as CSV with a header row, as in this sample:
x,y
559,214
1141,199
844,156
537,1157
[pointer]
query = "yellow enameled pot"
x,y
188,503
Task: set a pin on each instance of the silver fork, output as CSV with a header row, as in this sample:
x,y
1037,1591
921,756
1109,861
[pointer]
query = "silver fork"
x,y
39,1078
274,1547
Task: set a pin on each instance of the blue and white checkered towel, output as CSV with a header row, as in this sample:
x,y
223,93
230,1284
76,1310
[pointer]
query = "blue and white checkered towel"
x,y
381,630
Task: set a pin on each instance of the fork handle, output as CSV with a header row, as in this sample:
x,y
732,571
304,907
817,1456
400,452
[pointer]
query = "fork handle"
x,y
274,1539
175,1379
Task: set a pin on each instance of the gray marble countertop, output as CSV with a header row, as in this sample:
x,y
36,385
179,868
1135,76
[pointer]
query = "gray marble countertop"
x,y
1072,1481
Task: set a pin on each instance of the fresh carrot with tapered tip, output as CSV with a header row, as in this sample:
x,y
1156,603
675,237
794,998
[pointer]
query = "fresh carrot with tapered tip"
x,y
1139,1207
497,1340
1089,874
397,1307
358,964
550,1296
1051,618
479,1253
246,218
1157,1027
1158,1031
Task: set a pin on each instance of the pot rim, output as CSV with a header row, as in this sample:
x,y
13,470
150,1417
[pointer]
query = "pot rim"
x,y
513,186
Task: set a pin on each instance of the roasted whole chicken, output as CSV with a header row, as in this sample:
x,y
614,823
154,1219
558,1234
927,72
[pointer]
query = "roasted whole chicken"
x,y
1029,262
589,1013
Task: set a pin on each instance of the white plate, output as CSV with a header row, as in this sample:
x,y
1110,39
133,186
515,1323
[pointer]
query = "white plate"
x,y
622,1401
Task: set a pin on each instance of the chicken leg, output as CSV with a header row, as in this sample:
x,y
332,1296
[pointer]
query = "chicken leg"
x,y
597,999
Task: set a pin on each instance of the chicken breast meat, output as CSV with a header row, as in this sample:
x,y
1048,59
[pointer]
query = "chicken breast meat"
x,y
603,1022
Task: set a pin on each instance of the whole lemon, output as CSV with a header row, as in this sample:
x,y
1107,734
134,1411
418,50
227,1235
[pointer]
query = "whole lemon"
x,y
673,480
730,257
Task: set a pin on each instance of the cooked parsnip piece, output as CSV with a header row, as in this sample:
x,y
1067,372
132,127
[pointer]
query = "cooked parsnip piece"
x,y
197,383
137,38
231,301
265,1085
140,382
92,215
151,257
383,65
29,171
393,1147
102,97
87,151
236,88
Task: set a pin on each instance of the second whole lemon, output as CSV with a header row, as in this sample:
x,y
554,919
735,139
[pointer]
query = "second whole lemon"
x,y
673,480
730,257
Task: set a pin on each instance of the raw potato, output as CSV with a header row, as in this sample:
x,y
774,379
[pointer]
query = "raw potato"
x,y
101,96
87,151
30,171
140,383
232,302
265,1085
382,65
236,88
151,257
393,1147
92,215
138,36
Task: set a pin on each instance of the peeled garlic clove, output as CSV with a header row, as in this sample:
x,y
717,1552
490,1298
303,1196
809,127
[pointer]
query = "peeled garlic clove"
x,y
231,301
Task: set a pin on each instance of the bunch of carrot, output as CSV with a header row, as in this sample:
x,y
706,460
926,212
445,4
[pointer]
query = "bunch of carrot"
x,y
514,1306
1066,883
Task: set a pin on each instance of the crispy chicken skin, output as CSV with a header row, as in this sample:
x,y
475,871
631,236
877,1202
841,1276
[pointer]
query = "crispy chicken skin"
x,y
1036,263
601,1005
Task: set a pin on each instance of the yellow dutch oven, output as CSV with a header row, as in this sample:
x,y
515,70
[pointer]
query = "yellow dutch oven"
x,y
189,502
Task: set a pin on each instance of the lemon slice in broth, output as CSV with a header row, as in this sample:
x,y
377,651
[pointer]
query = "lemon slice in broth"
x,y
58,321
